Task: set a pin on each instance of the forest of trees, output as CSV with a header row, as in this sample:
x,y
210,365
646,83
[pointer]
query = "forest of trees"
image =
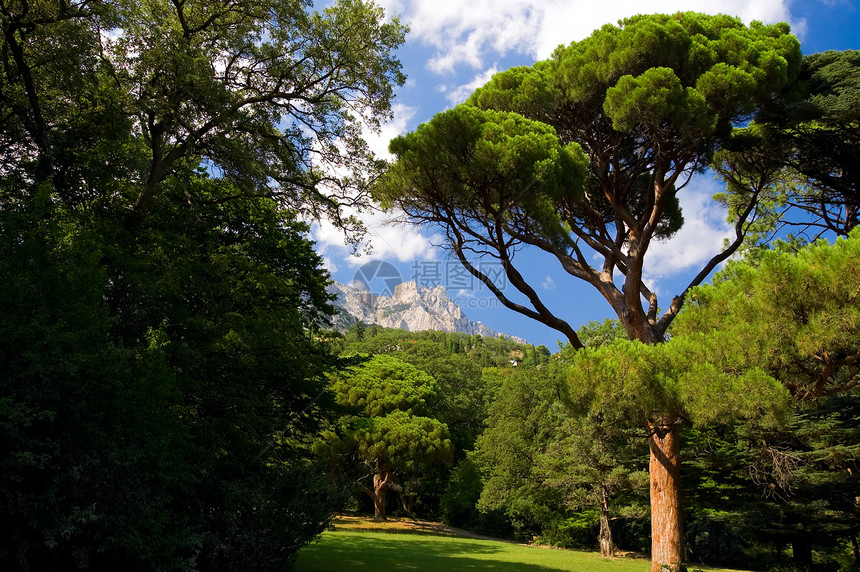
x,y
171,397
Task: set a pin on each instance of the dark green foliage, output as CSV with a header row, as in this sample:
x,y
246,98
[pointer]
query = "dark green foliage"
x,y
757,494
141,388
808,341
223,82
794,315
385,440
800,156
548,466
159,356
817,130
458,503
454,360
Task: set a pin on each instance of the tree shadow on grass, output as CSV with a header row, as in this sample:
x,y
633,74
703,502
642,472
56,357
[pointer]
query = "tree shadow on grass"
x,y
369,552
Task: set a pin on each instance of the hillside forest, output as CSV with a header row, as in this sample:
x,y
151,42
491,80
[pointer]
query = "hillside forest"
x,y
173,395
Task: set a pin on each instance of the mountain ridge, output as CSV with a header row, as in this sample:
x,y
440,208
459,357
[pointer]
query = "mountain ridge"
x,y
410,308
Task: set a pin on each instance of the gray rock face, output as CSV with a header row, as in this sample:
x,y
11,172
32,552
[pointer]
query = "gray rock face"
x,y
410,308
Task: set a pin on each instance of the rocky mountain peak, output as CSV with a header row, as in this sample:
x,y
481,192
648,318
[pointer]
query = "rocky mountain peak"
x,y
410,308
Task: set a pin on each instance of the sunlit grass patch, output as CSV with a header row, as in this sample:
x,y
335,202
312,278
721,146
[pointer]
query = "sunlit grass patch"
x,y
405,544
346,550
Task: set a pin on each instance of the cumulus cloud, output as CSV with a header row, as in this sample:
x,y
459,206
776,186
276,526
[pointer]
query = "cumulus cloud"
x,y
467,33
460,93
329,264
699,240
462,293
548,283
378,142
385,240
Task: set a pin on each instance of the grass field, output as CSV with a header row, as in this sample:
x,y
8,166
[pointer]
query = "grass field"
x,y
428,547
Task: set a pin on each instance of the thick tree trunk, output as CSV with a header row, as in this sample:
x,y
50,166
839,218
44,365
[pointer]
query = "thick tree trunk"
x,y
665,470
381,482
607,546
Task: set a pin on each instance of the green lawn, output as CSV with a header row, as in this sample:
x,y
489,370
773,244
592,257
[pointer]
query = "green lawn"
x,y
343,551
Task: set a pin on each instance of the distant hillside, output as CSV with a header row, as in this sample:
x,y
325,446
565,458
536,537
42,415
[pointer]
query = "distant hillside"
x,y
410,308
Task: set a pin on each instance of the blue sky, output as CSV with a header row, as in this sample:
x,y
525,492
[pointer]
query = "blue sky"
x,y
455,46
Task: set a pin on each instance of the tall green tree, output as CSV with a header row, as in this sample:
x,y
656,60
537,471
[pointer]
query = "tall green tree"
x,y
160,366
809,343
582,156
767,497
265,94
454,360
144,377
547,461
385,438
456,367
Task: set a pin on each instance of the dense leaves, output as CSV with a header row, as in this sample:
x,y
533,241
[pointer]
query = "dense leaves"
x,y
809,341
555,469
384,438
800,155
267,94
160,362
144,377
792,315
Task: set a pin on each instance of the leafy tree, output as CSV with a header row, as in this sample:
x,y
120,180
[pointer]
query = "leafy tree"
x,y
386,438
264,93
826,141
160,366
454,360
804,150
594,461
808,342
754,490
547,464
582,156
524,414
157,368
696,380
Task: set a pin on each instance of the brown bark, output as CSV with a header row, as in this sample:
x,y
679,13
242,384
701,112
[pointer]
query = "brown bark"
x,y
381,482
665,472
607,546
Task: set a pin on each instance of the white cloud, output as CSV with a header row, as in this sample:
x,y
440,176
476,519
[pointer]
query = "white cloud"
x,y
329,264
378,142
464,33
699,240
462,293
548,283
385,239
460,93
